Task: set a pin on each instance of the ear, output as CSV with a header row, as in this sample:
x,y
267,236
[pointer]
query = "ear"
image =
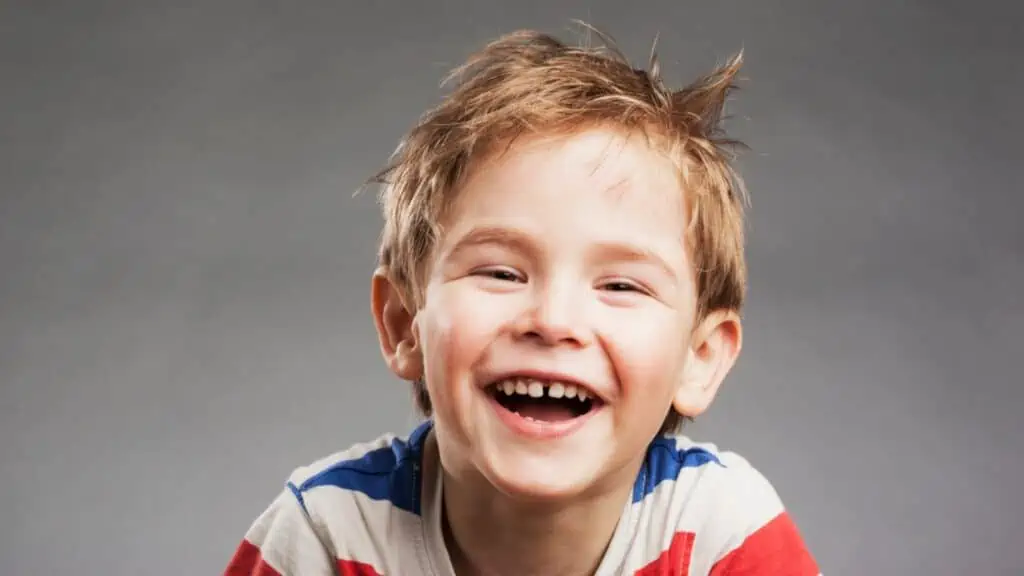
x,y
714,348
395,322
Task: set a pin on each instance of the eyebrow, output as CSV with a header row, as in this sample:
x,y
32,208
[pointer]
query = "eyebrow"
x,y
494,235
632,253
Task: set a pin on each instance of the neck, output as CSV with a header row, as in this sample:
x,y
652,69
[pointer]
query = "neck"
x,y
488,533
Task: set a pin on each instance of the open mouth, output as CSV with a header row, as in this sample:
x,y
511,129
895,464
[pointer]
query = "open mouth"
x,y
543,401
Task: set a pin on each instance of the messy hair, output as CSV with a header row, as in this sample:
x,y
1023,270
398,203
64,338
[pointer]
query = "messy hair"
x,y
529,83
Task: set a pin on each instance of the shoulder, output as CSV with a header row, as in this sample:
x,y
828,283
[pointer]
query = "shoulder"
x,y
699,487
363,503
716,505
383,470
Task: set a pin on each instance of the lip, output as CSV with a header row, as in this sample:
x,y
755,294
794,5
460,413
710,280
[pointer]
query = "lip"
x,y
536,430
546,377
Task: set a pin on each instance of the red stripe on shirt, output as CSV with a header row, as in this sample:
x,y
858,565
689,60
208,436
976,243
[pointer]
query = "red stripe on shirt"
x,y
353,568
248,561
775,549
672,562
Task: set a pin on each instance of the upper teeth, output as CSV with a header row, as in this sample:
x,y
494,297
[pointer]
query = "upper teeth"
x,y
537,389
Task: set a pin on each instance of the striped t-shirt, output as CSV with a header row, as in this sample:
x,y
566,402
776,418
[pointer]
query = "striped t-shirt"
x,y
375,509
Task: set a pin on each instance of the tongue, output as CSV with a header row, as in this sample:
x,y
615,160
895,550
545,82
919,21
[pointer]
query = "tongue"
x,y
545,411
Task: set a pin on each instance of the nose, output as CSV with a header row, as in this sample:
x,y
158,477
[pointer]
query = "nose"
x,y
555,317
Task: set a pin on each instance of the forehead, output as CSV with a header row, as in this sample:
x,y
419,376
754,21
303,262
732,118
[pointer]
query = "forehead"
x,y
598,175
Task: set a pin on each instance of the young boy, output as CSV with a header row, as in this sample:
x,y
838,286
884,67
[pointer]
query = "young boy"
x,y
561,273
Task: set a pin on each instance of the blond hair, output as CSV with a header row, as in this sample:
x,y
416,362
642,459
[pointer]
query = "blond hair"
x,y
529,82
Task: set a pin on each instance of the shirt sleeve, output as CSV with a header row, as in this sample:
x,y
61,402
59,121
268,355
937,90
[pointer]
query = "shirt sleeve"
x,y
281,542
774,549
761,538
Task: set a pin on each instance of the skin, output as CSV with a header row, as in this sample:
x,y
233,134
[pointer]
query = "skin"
x,y
564,254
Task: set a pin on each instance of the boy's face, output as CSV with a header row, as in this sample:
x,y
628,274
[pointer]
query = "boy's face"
x,y
562,274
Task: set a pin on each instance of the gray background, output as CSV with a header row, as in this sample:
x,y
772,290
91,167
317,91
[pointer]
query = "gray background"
x,y
184,272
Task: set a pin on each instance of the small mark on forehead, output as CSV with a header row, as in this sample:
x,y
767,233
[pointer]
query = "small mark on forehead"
x,y
618,188
628,174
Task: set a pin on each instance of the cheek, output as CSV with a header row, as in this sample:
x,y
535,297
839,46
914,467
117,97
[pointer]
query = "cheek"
x,y
456,330
647,352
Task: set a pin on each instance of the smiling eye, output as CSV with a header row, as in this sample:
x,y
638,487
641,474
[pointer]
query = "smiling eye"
x,y
621,287
502,274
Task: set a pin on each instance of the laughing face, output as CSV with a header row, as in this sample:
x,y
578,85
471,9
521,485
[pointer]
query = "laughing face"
x,y
558,321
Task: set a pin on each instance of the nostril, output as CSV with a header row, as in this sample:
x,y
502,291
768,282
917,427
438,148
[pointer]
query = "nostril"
x,y
552,337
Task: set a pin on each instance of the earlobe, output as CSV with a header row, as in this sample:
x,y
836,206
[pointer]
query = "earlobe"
x,y
395,325
714,349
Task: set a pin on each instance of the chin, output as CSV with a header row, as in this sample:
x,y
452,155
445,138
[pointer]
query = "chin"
x,y
541,477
